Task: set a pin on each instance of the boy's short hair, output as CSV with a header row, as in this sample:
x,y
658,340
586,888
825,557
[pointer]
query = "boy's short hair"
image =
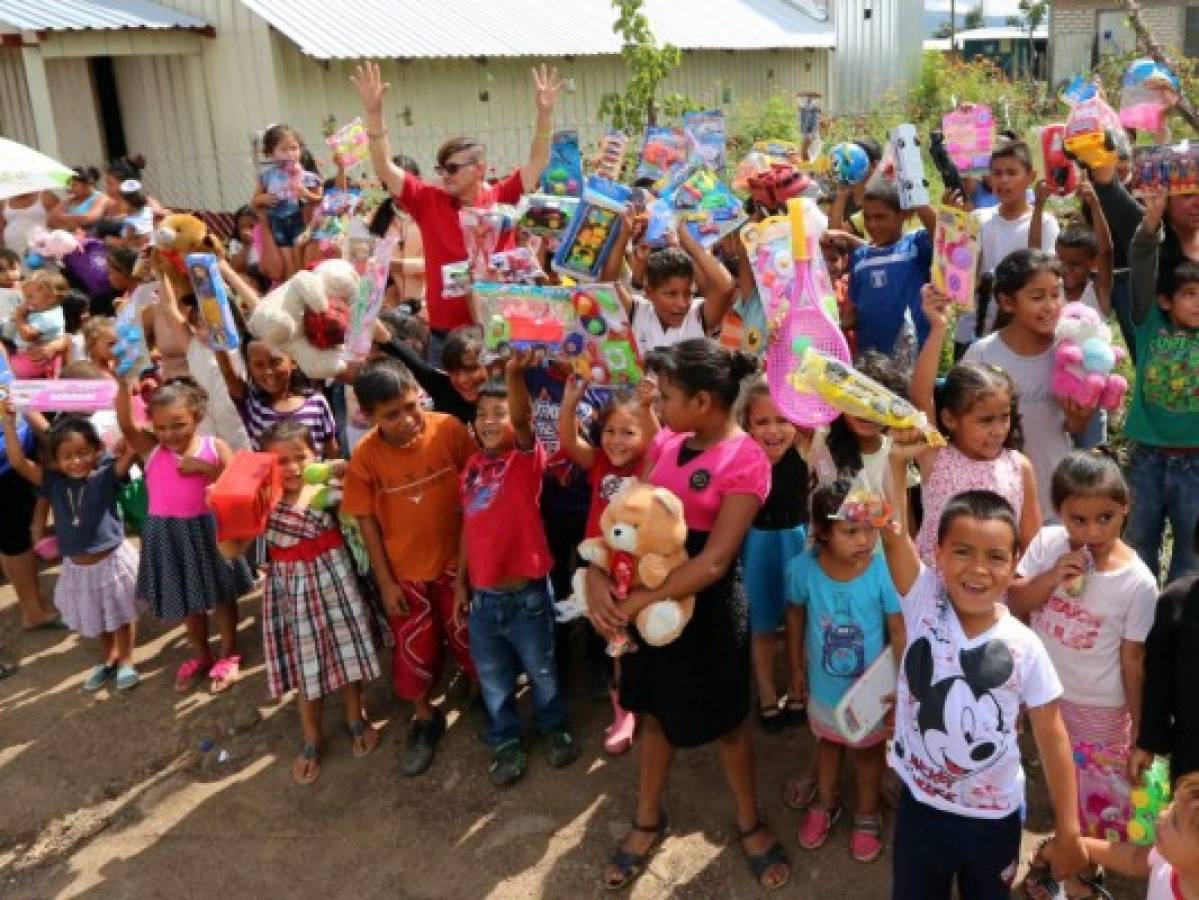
x,y
1180,276
494,389
9,258
986,506
457,144
1017,150
380,381
1079,237
109,228
872,148
666,263
883,190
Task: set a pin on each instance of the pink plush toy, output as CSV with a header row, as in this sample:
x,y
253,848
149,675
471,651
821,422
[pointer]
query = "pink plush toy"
x,y
1085,358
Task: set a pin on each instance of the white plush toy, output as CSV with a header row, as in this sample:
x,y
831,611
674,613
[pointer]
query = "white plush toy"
x,y
278,318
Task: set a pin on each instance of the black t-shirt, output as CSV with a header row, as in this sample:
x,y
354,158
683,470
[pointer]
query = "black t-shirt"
x,y
1170,710
787,504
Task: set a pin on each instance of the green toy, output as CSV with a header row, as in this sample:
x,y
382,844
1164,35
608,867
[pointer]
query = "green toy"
x,y
327,496
1148,800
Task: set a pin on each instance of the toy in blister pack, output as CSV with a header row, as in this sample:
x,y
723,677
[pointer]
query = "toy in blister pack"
x,y
1079,88
849,391
956,253
563,175
850,164
522,317
744,326
130,349
482,230
349,144
517,266
909,167
659,224
1104,801
599,343
1174,169
544,215
1094,135
1060,172
364,309
612,147
1148,800
212,296
704,203
706,138
455,279
331,220
593,231
1147,91
663,152
969,134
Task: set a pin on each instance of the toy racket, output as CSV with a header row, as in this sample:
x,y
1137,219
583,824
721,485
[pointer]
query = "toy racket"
x,y
365,308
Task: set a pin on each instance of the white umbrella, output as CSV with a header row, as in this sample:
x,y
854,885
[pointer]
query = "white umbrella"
x,y
24,171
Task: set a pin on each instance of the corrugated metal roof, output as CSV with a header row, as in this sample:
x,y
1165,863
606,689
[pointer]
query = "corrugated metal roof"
x,y
85,15
456,28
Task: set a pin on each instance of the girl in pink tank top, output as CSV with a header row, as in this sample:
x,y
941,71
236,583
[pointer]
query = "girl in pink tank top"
x,y
182,574
978,414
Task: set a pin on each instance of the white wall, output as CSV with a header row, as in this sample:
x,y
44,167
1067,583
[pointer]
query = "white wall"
x,y
876,57
16,116
76,118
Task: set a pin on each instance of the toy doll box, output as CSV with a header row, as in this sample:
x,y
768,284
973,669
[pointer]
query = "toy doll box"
x,y
1174,169
969,137
243,497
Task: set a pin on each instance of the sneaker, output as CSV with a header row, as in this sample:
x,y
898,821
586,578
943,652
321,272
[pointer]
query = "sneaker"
x,y
508,764
816,825
561,749
421,744
127,678
866,839
99,677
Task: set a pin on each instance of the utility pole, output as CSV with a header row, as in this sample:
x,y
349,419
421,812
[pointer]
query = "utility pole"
x,y
953,25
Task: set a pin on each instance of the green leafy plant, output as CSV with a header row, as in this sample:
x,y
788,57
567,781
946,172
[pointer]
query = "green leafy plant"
x,y
649,65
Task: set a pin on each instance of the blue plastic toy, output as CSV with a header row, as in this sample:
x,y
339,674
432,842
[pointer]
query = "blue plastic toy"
x,y
849,162
212,295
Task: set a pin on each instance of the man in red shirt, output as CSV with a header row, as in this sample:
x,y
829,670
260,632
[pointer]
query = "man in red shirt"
x,y
462,167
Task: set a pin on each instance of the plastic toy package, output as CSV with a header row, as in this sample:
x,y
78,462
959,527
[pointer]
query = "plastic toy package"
x,y
866,502
522,317
518,266
331,220
81,395
563,175
1094,135
660,224
1147,91
663,152
600,342
544,215
1174,169
849,391
284,180
1080,88
243,497
589,239
610,162
970,137
1104,801
213,297
349,144
744,327
706,138
956,253
482,230
1148,799
705,203
130,349
909,167
328,495
364,309
455,279
1060,172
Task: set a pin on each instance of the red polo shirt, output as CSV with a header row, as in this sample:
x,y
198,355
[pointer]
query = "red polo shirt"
x,y
436,215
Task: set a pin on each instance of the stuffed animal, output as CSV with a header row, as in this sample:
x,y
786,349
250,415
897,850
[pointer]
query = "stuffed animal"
x,y
1085,358
278,319
643,539
178,235
45,245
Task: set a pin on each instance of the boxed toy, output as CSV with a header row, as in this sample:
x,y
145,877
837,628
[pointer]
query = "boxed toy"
x,y
593,231
970,137
706,138
544,215
213,298
705,203
1174,168
956,252
563,175
663,152
909,167
243,497
349,144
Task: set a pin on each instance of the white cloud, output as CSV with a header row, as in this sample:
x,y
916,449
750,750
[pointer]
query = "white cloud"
x,y
991,7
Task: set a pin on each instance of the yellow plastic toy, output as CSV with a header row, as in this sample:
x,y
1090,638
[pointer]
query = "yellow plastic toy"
x,y
848,390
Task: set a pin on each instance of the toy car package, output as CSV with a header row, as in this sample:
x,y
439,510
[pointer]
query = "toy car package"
x,y
563,175
706,138
704,203
663,152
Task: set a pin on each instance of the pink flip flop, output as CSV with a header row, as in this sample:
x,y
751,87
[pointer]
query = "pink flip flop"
x,y
224,672
192,672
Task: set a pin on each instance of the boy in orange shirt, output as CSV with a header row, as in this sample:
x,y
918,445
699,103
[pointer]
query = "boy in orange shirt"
x,y
402,485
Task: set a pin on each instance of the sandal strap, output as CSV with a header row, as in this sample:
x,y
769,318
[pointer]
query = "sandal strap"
x,y
761,823
310,751
659,828
869,824
761,863
357,728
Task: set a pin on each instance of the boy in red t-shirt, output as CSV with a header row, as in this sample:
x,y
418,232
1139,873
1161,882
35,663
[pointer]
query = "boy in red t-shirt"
x,y
502,576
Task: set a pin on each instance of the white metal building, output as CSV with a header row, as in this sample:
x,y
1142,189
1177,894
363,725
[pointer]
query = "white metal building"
x,y
190,83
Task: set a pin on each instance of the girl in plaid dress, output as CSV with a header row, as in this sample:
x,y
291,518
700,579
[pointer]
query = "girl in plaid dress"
x,y
315,621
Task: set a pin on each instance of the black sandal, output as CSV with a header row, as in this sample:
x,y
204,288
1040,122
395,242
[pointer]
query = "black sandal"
x,y
795,712
1040,876
772,719
631,865
761,863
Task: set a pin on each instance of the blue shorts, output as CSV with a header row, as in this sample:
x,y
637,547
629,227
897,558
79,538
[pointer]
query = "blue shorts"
x,y
286,230
764,560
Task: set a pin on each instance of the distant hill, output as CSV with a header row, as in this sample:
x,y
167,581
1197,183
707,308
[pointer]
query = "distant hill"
x,y
933,19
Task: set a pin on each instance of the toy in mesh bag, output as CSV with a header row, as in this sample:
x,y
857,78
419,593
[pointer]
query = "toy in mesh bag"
x,y
867,503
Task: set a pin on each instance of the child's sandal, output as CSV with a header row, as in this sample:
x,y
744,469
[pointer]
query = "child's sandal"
x,y
761,863
366,737
771,719
816,826
306,768
224,672
866,839
627,865
192,672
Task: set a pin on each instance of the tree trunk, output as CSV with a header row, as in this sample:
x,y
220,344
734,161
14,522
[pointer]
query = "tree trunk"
x,y
1154,49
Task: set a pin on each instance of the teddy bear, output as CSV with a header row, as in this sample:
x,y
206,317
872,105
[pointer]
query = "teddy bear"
x,y
643,533
175,237
1084,359
280,318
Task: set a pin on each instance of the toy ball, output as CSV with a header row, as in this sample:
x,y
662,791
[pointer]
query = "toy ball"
x,y
850,163
596,326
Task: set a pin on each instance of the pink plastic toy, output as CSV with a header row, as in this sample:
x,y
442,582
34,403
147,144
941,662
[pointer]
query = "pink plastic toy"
x,y
349,144
969,137
1085,358
1104,792
64,395
47,548
955,255
365,308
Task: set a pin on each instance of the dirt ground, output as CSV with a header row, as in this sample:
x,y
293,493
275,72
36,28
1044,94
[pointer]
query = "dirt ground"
x,y
112,796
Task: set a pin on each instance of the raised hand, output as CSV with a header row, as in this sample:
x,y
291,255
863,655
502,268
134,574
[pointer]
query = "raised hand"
x,y
371,86
547,85
935,305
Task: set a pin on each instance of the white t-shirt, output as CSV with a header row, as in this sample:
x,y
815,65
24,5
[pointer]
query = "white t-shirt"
x,y
1046,441
997,238
650,333
956,705
1082,634
1161,878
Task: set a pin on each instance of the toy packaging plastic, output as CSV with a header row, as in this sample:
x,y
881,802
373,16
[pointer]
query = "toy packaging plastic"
x,y
1094,134
1148,799
1147,91
364,310
243,497
1080,87
593,231
706,138
563,176
600,341
744,327
482,230
1104,801
956,253
130,349
331,219
705,203
517,266
63,394
659,224
455,279
349,144
970,137
663,152
1174,168
849,391
612,147
522,317
862,708
328,495
544,215
909,167
1060,172
213,297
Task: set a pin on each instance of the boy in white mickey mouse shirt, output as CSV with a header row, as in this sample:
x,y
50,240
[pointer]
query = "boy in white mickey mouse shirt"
x,y
968,668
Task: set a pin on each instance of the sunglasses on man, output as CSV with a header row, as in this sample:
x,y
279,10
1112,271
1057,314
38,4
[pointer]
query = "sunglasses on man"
x,y
453,168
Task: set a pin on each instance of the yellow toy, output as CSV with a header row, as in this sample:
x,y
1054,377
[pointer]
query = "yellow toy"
x,y
849,391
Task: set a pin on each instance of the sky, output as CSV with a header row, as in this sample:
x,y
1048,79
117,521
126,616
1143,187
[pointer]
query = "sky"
x,y
993,8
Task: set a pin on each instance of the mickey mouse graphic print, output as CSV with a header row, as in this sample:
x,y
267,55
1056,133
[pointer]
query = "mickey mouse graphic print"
x,y
957,703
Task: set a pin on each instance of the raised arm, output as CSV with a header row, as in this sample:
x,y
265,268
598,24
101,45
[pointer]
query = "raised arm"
x,y
1103,236
1143,257
547,84
902,558
577,450
137,439
1043,192
234,383
21,464
928,218
372,89
924,376
520,409
714,278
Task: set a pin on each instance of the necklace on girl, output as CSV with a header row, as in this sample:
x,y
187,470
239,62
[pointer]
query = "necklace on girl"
x,y
75,503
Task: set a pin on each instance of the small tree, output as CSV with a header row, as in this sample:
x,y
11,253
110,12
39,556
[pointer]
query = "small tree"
x,y
974,19
649,66
1032,14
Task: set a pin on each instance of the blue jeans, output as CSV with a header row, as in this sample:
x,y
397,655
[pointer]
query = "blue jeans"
x,y
511,633
1094,434
1164,486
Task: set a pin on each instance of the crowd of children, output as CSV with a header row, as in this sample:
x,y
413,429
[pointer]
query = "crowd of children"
x,y
1003,586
